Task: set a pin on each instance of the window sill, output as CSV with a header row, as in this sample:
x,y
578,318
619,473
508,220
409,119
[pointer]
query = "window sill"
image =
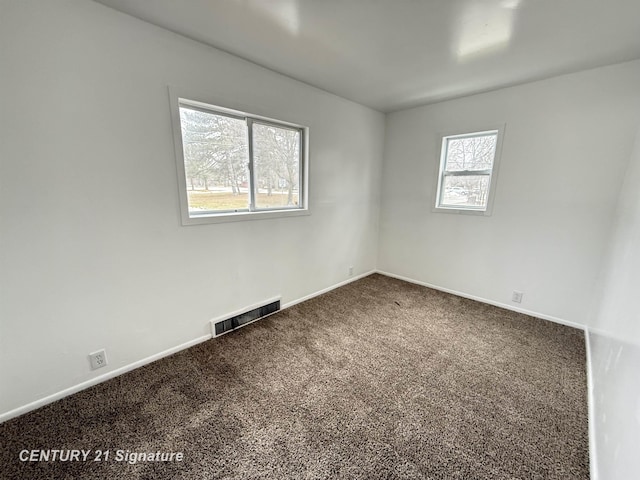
x,y
242,216
462,211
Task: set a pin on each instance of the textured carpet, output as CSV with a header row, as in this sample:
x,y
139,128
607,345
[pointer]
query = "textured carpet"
x,y
377,379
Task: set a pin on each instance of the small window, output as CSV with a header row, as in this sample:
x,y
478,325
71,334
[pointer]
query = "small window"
x,y
467,173
235,166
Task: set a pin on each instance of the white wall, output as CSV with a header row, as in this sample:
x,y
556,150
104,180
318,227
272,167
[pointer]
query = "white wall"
x,y
618,313
93,253
615,341
566,145
616,407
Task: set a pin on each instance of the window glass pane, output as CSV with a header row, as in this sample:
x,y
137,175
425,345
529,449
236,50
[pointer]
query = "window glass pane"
x,y
471,191
215,160
276,160
470,153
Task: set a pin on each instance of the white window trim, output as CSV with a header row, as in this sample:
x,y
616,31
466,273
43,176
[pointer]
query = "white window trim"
x,y
440,161
176,97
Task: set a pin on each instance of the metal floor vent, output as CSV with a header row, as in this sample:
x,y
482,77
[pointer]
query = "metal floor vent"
x,y
237,321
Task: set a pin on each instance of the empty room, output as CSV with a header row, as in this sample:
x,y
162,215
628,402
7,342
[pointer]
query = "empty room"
x,y
357,239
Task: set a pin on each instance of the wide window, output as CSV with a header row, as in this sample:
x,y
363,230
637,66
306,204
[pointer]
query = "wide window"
x,y
234,166
467,173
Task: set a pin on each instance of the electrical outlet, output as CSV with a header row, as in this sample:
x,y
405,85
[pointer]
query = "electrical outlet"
x,y
517,296
351,271
98,359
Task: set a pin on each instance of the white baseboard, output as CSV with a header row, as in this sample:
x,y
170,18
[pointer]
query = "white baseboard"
x,y
328,289
590,393
593,465
99,379
127,368
487,301
119,371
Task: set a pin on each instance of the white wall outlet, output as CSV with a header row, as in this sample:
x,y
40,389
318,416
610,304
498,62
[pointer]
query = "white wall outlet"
x,y
98,359
351,271
517,296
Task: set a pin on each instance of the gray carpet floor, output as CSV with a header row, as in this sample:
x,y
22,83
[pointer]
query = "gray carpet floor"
x,y
377,379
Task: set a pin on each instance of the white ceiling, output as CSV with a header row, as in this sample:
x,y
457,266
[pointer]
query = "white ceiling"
x,y
393,54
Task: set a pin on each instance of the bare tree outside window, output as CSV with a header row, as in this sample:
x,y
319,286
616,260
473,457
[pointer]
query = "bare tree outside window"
x,y
277,167
215,160
466,168
223,174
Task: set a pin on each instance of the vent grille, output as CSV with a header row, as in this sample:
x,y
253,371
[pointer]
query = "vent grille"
x,y
237,321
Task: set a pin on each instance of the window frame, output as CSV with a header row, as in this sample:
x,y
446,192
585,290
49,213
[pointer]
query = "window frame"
x,y
177,100
492,173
